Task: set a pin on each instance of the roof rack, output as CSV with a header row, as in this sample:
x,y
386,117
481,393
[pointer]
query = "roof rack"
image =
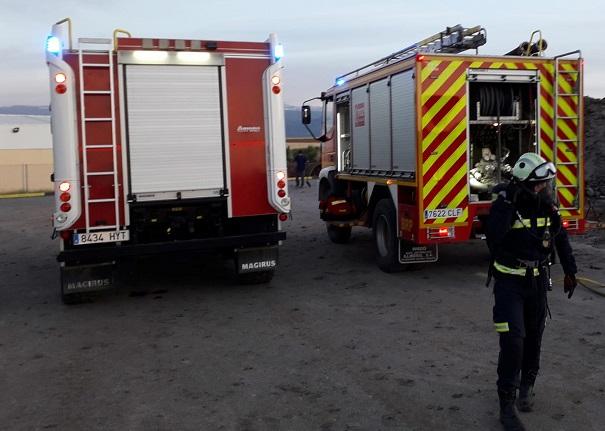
x,y
451,41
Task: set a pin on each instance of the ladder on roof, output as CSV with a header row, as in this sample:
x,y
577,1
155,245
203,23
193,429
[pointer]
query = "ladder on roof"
x,y
453,40
567,133
98,64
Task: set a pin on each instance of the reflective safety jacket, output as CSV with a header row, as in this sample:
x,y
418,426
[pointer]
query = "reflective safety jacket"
x,y
522,230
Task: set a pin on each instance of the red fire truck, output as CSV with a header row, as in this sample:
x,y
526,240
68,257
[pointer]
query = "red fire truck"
x,y
413,143
165,145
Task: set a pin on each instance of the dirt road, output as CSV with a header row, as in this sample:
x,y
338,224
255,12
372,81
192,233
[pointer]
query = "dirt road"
x,y
331,344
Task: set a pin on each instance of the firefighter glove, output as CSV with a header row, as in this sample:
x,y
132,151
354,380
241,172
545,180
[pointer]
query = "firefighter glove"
x,y
569,284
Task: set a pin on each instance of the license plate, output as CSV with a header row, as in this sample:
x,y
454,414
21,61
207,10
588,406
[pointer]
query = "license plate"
x,y
100,237
442,213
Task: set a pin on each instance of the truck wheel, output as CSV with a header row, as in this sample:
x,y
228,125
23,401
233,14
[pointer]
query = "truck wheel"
x,y
384,229
339,234
261,277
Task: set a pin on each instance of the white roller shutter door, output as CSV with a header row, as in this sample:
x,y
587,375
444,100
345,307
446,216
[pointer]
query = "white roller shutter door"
x,y
174,130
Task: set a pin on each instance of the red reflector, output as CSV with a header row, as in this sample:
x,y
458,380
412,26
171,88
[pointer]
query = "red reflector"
x,y
283,217
61,88
443,231
281,193
65,207
276,89
420,58
65,197
281,184
565,224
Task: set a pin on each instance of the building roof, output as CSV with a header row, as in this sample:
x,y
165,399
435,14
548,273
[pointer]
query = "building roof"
x,y
18,120
24,132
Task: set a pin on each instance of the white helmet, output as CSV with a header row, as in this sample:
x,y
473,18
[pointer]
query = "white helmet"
x,y
532,167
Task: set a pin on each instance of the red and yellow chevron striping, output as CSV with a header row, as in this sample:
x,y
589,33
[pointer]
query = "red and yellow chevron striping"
x,y
443,130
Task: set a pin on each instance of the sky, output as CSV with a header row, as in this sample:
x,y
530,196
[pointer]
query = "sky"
x,y
322,39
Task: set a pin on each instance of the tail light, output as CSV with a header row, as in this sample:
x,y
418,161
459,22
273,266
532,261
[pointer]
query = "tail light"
x,y
276,89
65,196
440,232
281,184
281,193
283,217
571,224
61,88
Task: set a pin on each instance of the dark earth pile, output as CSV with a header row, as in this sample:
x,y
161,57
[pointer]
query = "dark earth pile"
x,y
594,121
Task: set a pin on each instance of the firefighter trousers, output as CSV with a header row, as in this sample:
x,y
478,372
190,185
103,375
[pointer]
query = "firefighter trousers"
x,y
519,317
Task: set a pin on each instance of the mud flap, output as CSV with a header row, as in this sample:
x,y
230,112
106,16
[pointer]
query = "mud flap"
x,y
415,253
87,278
255,259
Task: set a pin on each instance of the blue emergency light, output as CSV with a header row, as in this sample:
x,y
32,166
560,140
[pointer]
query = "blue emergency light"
x,y
278,52
340,81
53,45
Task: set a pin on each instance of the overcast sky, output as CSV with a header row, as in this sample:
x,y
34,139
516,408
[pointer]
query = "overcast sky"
x,y
321,38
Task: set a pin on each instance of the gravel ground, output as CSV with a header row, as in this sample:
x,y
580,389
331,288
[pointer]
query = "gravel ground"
x,y
331,344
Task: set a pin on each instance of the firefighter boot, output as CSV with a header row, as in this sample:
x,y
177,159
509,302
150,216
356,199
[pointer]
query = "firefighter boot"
x,y
508,413
525,403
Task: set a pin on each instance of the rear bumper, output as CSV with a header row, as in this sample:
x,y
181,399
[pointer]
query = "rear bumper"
x,y
110,252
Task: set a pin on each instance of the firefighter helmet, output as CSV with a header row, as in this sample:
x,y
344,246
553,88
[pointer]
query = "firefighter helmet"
x,y
533,167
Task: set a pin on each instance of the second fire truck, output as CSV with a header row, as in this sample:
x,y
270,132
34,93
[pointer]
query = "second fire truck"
x,y
413,143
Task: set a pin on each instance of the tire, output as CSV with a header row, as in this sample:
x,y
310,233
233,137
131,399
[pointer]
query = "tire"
x,y
384,230
339,234
261,277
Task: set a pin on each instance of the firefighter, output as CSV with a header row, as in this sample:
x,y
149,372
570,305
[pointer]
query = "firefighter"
x,y
523,228
301,163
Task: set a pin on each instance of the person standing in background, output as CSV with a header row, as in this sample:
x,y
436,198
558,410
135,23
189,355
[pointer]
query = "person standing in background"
x,y
301,163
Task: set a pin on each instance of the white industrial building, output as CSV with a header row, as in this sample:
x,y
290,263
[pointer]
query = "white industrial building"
x,y
25,153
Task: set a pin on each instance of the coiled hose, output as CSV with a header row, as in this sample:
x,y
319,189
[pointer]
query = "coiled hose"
x,y
496,100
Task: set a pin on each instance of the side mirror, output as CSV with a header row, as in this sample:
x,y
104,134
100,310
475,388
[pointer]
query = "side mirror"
x,y
306,114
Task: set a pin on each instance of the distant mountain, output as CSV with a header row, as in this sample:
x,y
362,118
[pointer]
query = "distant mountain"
x,y
294,127
24,110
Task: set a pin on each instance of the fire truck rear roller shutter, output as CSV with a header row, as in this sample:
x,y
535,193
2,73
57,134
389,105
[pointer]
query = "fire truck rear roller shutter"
x,y
174,125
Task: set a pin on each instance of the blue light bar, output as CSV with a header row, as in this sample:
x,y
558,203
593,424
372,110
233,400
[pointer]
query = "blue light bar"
x,y
340,81
53,45
278,52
